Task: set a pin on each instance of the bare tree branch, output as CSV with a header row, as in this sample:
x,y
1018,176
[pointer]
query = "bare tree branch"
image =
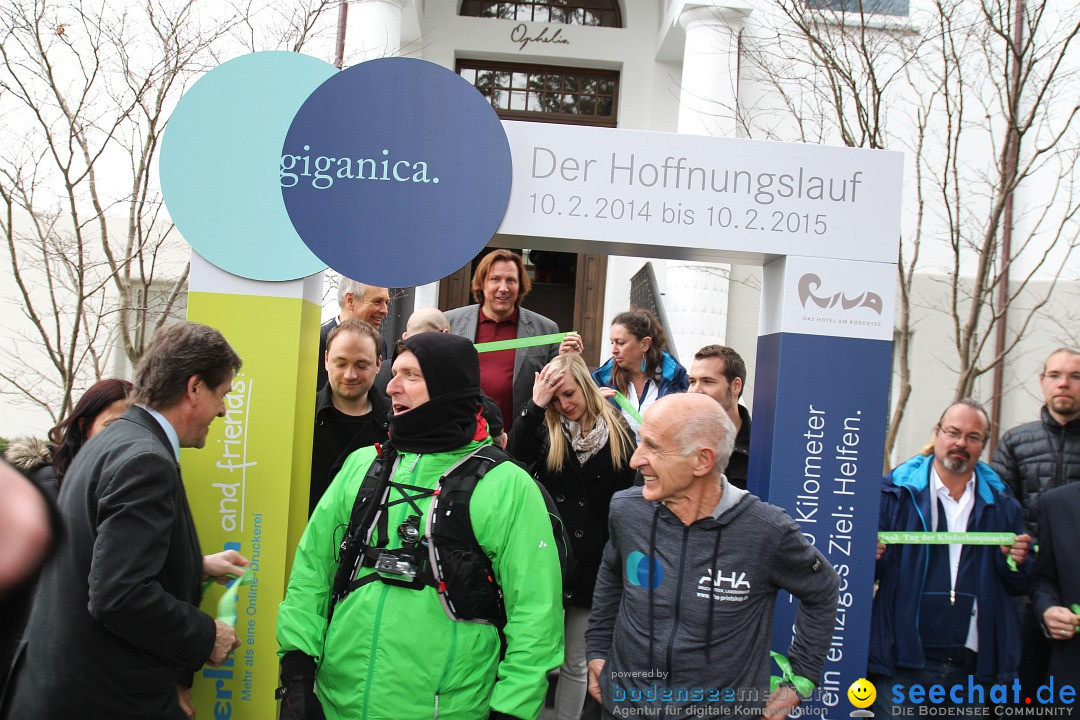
x,y
85,94
960,88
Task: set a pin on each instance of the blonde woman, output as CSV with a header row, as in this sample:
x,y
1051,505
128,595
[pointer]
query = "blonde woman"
x,y
578,446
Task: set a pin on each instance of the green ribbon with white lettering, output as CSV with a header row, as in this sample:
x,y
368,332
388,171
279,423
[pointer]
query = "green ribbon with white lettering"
x,y
904,537
627,406
226,607
516,343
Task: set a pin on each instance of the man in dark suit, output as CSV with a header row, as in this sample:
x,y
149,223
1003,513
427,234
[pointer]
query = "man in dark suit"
x,y
499,285
116,632
1057,580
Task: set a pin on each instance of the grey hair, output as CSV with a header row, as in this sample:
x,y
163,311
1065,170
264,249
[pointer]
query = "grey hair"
x,y
969,403
346,286
710,429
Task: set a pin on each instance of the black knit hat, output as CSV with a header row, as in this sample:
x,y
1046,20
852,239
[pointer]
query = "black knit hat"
x,y
449,362
451,371
493,415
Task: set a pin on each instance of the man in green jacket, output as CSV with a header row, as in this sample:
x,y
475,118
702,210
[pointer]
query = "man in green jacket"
x,y
391,651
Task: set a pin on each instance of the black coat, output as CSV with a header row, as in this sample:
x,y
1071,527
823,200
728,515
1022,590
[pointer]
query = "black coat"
x,y
582,494
1035,457
115,625
328,455
738,465
1057,573
33,458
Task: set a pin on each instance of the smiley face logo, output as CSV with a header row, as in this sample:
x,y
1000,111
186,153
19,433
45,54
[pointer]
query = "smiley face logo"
x,y
862,693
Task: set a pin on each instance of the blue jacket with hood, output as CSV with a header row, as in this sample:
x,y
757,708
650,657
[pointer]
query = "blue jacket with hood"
x,y
902,570
672,377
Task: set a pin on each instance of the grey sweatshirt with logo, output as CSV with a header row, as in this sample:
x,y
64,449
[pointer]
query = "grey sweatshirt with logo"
x,y
683,614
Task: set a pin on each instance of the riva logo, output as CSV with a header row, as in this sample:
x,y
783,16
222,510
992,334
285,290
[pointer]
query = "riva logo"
x,y
810,285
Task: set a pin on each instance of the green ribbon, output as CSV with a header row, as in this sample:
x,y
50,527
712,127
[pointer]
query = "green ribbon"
x,y
951,538
803,686
627,406
520,342
946,538
226,607
1076,611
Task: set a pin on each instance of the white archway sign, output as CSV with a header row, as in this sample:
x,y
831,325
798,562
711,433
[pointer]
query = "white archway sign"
x,y
825,224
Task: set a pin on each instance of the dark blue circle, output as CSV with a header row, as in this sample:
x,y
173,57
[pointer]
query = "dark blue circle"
x,y
430,164
643,572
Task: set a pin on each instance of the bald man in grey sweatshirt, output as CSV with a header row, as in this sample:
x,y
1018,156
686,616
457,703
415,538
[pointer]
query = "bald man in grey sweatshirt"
x,y
683,609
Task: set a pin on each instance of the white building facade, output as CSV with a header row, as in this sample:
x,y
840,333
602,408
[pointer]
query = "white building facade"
x,y
699,68
695,67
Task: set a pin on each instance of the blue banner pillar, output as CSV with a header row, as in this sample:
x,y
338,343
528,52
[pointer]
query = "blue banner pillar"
x,y
821,405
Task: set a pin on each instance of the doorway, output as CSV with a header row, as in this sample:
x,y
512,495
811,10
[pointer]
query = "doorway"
x,y
568,288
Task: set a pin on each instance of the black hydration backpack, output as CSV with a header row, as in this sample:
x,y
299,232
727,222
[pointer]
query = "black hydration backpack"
x,y
444,554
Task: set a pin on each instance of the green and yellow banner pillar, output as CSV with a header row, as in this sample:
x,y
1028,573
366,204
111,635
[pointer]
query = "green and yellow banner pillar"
x,y
248,487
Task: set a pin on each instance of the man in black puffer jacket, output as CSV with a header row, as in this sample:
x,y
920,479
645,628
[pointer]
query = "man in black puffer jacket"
x,y
1033,458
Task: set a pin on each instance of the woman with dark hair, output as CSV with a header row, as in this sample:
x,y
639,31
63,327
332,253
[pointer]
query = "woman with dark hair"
x,y
578,446
640,367
102,403
44,464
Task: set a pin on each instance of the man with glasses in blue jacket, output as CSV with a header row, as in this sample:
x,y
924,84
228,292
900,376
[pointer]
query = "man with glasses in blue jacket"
x,y
943,614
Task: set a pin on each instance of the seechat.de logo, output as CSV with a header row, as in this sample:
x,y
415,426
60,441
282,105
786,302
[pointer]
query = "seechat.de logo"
x,y
972,698
637,570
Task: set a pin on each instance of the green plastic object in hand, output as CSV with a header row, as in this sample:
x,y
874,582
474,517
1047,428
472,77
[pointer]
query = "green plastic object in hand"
x,y
803,686
226,607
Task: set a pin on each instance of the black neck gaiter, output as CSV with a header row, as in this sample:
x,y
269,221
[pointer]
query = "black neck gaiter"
x,y
444,423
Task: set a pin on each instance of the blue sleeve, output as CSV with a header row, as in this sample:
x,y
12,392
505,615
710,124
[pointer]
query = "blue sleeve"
x,y
1016,582
682,379
887,522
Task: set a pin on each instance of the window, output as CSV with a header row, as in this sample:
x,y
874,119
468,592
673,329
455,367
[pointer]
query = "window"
x,y
599,13
870,7
546,93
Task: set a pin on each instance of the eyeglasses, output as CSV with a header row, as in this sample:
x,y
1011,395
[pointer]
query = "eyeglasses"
x,y
954,435
1056,377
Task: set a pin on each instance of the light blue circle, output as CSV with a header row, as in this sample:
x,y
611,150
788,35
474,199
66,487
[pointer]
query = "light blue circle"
x,y
633,562
220,161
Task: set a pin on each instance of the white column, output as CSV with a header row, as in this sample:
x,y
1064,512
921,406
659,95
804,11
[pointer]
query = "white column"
x,y
697,295
374,30
708,92
697,303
